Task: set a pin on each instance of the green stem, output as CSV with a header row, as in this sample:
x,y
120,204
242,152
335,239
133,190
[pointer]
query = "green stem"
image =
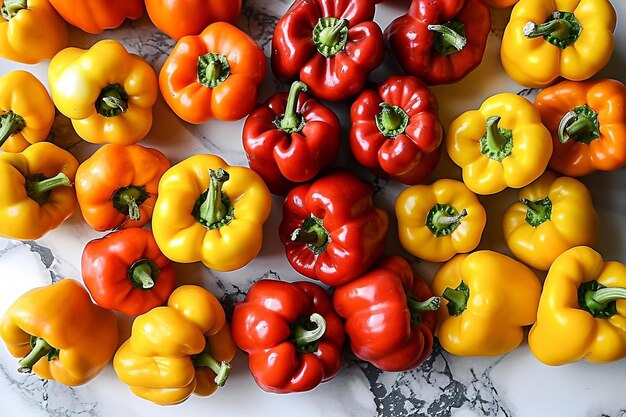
x,y
40,349
112,101
537,212
143,274
457,299
12,7
496,143
392,120
561,29
315,235
221,370
608,294
330,35
448,220
127,200
37,189
10,124
213,208
533,30
291,121
443,219
580,124
417,307
213,69
302,337
495,138
450,37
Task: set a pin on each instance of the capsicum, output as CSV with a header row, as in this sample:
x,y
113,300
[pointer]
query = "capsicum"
x,y
30,31
437,221
214,74
553,214
582,311
211,212
290,139
291,333
440,41
330,46
548,39
59,333
178,350
37,194
331,229
390,315
126,271
500,3
26,111
395,130
118,185
94,16
588,123
106,92
487,299
502,144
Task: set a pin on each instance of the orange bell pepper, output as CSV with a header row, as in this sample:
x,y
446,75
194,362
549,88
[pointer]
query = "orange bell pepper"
x,y
94,16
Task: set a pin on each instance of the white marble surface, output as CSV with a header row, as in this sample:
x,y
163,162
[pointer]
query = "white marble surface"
x,y
515,384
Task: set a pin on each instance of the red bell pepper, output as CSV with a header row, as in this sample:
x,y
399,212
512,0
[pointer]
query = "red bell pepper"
x,y
126,271
390,316
290,139
440,41
331,229
395,131
292,334
330,45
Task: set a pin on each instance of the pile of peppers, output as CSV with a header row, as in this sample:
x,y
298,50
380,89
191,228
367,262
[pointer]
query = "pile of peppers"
x,y
204,210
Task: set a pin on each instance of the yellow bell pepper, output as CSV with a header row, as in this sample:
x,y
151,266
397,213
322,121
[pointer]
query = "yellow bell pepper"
x,y
548,39
60,333
502,144
437,221
30,31
553,214
37,195
26,111
107,92
487,298
211,212
582,311
177,350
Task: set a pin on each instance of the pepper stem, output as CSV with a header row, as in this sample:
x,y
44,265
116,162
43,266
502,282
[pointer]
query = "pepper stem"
x,y
303,337
40,349
495,138
213,208
417,307
561,29
143,274
392,120
533,30
212,69
37,189
457,299
12,7
10,124
291,121
330,35
448,220
112,101
450,37
608,294
580,124
315,236
221,370
127,200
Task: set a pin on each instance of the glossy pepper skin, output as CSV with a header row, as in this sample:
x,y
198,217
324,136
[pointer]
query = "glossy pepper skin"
x,y
107,92
390,315
395,130
502,144
118,185
211,212
553,214
31,31
331,46
177,350
588,123
290,139
213,75
59,333
582,311
440,41
178,18
291,333
94,16
437,221
126,271
331,229
548,39
487,298
37,194
26,111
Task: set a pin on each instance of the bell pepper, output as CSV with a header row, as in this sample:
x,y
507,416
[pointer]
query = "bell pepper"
x,y
178,18
215,74
118,185
106,92
290,139
59,333
502,144
440,41
588,123
94,16
26,111
331,229
37,194
330,46
548,39
437,221
291,333
177,350
126,271
211,212
487,298
395,130
31,31
501,4
582,311
552,215
390,315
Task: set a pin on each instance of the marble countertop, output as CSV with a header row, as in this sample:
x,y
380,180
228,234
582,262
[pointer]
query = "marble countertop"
x,y
515,384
